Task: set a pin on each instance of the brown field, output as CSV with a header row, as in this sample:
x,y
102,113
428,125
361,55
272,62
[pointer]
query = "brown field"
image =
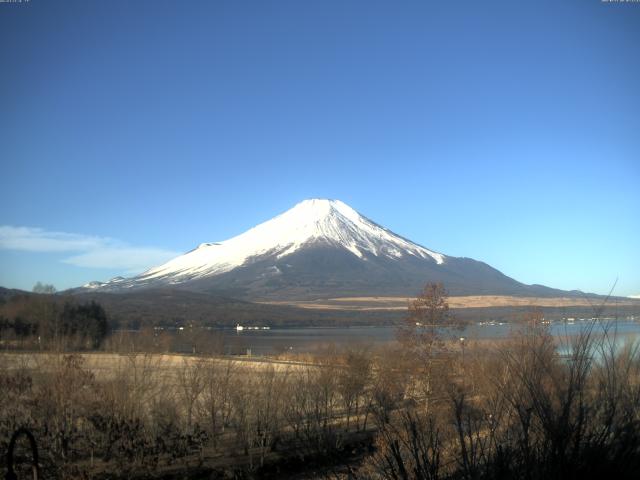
x,y
472,301
108,364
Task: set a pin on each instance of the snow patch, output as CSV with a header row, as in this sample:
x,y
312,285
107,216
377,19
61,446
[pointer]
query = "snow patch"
x,y
310,221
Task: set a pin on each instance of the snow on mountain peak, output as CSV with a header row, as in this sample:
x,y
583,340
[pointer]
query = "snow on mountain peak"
x,y
310,221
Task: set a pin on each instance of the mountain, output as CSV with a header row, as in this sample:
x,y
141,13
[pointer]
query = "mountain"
x,y
7,293
320,249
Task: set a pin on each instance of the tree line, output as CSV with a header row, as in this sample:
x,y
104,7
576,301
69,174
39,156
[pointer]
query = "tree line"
x,y
46,322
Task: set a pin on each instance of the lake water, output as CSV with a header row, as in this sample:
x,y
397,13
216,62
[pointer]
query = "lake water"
x,y
301,340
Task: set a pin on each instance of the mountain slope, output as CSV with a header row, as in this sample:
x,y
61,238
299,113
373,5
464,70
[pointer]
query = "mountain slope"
x,y
321,248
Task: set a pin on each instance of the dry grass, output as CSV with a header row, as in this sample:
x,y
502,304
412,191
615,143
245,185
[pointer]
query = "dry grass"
x,y
104,364
471,301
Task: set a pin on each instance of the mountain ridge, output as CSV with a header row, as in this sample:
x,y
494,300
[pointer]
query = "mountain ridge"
x,y
321,248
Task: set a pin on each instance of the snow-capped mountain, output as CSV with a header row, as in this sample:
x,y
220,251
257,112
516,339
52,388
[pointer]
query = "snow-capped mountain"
x,y
319,248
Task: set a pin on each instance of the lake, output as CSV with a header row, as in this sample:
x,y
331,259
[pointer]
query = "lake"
x,y
307,339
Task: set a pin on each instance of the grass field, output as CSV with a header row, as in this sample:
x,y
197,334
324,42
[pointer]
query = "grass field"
x,y
471,301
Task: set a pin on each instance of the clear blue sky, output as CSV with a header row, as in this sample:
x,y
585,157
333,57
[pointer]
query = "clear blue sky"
x,y
505,131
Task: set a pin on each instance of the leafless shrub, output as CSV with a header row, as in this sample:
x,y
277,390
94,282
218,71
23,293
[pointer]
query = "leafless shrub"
x,y
353,379
215,405
409,448
191,378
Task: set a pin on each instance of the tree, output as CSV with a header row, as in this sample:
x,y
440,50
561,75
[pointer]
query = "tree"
x,y
428,315
423,331
216,402
353,379
191,383
45,288
87,322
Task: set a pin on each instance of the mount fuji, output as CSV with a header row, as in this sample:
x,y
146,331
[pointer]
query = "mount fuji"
x,y
320,249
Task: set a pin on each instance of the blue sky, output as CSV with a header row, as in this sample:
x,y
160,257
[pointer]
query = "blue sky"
x,y
505,131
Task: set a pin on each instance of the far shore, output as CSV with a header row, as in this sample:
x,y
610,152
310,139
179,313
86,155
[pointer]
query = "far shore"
x,y
460,302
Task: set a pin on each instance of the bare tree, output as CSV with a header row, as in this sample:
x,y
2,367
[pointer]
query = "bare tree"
x,y
353,378
215,403
388,388
409,449
423,332
191,383
427,315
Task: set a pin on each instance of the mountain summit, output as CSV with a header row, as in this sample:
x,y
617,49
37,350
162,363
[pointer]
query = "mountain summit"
x,y
330,222
320,248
